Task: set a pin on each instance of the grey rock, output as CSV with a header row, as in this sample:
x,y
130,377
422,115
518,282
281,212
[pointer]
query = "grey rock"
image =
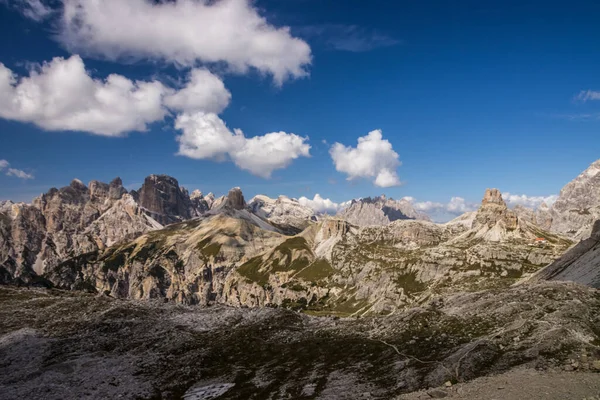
x,y
164,200
580,264
379,211
578,204
437,393
284,212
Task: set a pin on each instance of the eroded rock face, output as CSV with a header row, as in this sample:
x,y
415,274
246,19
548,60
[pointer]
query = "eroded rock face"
x,y
65,223
199,204
235,199
380,211
578,205
283,211
164,199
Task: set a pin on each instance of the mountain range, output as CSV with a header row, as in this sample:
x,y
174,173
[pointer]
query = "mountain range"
x,y
376,255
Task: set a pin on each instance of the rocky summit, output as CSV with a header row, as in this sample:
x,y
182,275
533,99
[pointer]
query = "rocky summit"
x,y
400,302
380,211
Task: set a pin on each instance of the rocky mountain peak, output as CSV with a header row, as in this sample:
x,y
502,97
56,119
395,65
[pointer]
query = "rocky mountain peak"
x,y
100,191
380,210
116,189
235,199
196,194
493,196
164,199
493,210
78,185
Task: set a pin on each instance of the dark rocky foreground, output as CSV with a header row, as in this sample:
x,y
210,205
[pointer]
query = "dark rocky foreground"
x,y
71,345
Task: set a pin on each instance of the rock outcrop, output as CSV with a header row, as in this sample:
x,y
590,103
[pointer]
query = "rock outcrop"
x,y
580,264
235,199
164,200
577,206
283,211
199,204
380,211
494,216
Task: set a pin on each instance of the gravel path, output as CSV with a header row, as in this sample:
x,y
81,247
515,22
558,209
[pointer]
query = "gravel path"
x,y
520,384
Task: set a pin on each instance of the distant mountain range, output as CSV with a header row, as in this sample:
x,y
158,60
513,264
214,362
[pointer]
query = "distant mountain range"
x,y
377,254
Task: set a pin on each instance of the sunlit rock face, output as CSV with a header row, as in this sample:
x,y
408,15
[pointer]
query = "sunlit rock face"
x,y
379,211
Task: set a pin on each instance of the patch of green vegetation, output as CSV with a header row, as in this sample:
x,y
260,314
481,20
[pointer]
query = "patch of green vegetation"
x,y
251,271
295,243
551,238
207,248
409,282
294,286
317,271
146,251
296,305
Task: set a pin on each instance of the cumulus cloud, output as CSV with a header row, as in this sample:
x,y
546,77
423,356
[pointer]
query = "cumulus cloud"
x,y
586,95
61,95
185,32
205,136
4,165
204,91
321,205
456,206
528,201
373,157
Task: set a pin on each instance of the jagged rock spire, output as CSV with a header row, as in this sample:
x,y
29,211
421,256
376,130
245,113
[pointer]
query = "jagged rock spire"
x,y
235,199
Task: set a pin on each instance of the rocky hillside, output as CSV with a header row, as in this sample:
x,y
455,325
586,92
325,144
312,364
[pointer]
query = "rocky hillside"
x,y
233,256
72,345
580,264
379,211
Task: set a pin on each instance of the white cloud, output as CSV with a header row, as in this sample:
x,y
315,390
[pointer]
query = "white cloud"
x,y
186,32
205,136
528,201
456,206
61,95
32,9
18,173
204,91
373,157
13,171
321,205
586,95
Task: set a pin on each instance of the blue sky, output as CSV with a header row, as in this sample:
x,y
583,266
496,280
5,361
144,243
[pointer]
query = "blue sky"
x,y
469,96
